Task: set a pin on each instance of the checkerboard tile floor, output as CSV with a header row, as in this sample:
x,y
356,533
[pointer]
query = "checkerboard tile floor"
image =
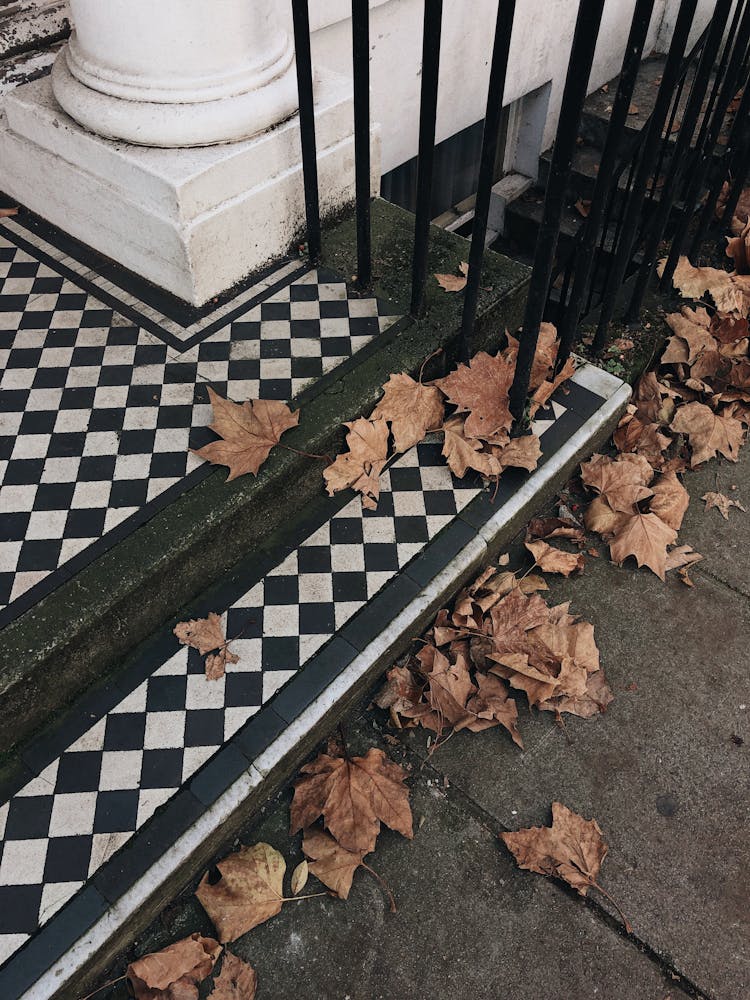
x,y
97,413
62,826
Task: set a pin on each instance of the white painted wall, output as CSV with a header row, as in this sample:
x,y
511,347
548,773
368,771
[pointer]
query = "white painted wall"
x,y
540,47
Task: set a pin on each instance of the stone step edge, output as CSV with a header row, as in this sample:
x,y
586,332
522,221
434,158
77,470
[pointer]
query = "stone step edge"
x,y
83,963
80,632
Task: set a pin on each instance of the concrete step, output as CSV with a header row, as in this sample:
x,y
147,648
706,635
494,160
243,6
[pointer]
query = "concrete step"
x,y
122,801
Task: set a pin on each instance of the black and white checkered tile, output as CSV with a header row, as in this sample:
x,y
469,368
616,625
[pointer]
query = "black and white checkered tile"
x,y
60,828
96,411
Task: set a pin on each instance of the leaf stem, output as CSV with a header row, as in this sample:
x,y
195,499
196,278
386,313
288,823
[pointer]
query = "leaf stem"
x,y
104,986
381,883
614,903
295,899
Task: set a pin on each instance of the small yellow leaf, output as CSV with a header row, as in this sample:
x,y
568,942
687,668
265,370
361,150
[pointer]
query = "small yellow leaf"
x,y
299,877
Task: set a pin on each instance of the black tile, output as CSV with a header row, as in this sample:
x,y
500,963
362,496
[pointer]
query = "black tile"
x,y
13,527
334,309
204,727
38,422
218,774
51,942
68,859
85,522
281,590
380,612
243,689
259,732
349,586
23,472
314,559
28,817
38,555
412,528
19,912
317,619
161,768
148,846
578,398
129,493
439,502
54,496
305,329
303,292
436,556
279,652
166,694
313,678
95,468
274,310
79,771
346,530
116,811
125,731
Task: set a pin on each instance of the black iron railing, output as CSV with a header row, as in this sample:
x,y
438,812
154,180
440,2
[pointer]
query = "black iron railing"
x,y
655,189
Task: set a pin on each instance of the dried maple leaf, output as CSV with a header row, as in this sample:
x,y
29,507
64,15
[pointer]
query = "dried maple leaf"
x,y
721,502
708,432
236,981
449,687
248,431
621,482
552,560
454,282
650,404
670,500
481,390
207,636
635,436
519,453
354,796
411,408
329,861
7,212
646,537
174,972
400,694
682,556
464,453
492,706
571,849
691,336
248,890
738,250
547,389
360,467
695,282
554,527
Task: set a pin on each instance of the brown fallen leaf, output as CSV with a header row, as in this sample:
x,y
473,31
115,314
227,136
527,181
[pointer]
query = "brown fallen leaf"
x,y
236,981
207,636
547,389
708,432
248,432
519,453
681,556
454,282
738,250
552,560
646,537
360,467
721,502
633,109
354,796
481,390
583,207
329,861
571,849
247,892
7,212
299,877
492,704
670,500
555,527
174,972
725,289
463,453
411,408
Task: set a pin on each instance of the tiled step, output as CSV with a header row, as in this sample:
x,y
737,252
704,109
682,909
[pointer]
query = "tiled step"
x,y
110,523
136,786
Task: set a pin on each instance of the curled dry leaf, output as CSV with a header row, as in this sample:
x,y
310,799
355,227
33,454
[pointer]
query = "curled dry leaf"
x,y
583,207
708,432
411,408
247,892
571,849
299,877
481,390
738,250
331,863
548,388
6,213
721,502
248,432
454,282
681,557
519,453
174,972
552,560
730,292
400,694
463,453
236,981
360,467
555,527
207,636
353,796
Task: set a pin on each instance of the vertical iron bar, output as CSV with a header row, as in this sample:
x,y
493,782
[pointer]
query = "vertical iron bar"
x,y
301,19
680,156
604,180
496,88
433,15
361,75
648,156
734,145
666,137
707,146
574,94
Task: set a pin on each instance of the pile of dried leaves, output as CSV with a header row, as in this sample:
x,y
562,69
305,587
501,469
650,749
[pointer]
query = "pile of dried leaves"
x,y
500,635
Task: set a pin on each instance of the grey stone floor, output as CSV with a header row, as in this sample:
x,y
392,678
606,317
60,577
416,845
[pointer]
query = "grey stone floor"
x,y
663,772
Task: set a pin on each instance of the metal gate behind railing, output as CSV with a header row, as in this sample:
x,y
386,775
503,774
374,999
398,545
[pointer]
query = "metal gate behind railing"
x,y
661,186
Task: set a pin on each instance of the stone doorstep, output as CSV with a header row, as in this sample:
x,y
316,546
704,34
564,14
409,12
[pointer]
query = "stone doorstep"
x,y
81,632
118,902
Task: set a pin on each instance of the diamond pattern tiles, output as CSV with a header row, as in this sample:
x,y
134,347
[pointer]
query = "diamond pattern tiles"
x,y
62,826
96,411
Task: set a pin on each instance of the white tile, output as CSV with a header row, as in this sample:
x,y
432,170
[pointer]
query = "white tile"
x,y
92,739
104,846
23,862
73,814
164,730
120,769
54,897
43,784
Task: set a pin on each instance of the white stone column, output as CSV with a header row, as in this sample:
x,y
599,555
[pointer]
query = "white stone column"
x,y
176,72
